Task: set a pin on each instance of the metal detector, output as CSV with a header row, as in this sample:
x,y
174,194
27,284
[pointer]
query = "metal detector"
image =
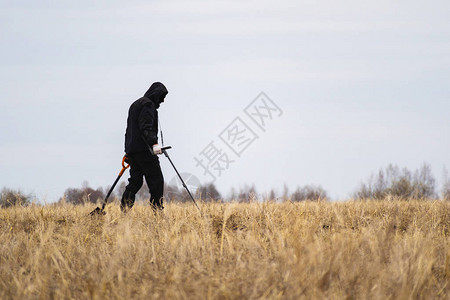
x,y
182,181
100,211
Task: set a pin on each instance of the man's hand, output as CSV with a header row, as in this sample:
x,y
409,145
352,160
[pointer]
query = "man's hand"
x,y
157,149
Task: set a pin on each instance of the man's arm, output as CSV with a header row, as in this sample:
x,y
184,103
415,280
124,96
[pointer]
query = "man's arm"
x,y
146,118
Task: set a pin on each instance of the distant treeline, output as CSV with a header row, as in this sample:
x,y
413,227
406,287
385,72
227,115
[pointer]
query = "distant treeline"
x,y
391,181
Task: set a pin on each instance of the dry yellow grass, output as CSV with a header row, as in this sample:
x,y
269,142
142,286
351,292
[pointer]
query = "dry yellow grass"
x,y
351,250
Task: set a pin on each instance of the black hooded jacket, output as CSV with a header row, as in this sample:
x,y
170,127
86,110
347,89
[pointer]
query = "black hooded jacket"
x,y
142,122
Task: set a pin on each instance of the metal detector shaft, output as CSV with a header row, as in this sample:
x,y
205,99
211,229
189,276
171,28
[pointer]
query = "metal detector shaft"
x,y
100,211
124,167
182,181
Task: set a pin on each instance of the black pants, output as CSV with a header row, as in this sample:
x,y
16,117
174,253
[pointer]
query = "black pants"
x,y
144,164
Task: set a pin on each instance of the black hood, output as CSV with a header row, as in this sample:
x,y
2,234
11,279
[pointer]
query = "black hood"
x,y
156,93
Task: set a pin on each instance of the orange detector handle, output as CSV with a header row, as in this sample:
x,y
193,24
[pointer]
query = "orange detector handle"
x,y
124,160
124,167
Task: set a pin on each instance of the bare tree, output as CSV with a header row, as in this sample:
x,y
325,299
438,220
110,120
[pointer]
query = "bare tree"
x,y
309,192
446,186
9,197
285,192
173,194
84,195
399,183
208,192
246,194
119,190
271,196
424,183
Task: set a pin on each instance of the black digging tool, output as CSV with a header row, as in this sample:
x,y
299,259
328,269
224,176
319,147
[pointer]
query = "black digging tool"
x,y
182,181
100,211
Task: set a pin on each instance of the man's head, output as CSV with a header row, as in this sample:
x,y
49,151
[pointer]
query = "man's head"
x,y
157,93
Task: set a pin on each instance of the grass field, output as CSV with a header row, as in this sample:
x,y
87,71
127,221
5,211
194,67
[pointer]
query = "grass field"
x,y
307,250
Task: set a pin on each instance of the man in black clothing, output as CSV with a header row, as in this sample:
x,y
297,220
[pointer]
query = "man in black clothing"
x,y
141,148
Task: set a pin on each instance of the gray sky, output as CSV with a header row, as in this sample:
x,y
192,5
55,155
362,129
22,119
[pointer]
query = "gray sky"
x,y
361,84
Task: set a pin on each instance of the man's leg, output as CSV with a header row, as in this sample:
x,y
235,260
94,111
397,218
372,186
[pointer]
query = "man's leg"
x,y
134,185
151,169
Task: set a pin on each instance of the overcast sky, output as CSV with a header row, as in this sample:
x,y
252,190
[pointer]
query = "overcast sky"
x,y
358,84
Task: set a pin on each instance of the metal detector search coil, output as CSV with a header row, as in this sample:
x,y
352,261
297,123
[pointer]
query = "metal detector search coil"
x,y
100,211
